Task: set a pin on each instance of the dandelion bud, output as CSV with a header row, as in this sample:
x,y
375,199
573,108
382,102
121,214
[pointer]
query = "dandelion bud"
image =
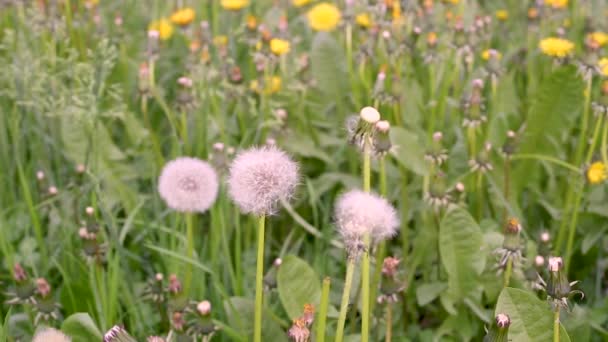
x,y
118,334
512,239
185,82
204,308
369,115
437,136
539,261
299,332
358,213
545,237
500,329
555,264
383,126
218,147
19,274
510,144
155,339
477,83
80,168
271,142
177,321
261,177
281,114
558,286
153,34
460,187
188,185
503,321
118,20
277,262
158,277
90,211
381,76
381,141
390,286
175,286
386,34
43,287
309,314
389,266
50,335
40,176
53,190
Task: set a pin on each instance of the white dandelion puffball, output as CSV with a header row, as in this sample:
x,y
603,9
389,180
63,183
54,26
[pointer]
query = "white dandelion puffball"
x,y
260,177
357,213
50,335
188,185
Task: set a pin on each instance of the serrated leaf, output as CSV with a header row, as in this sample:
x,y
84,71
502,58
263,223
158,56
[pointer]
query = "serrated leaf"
x,y
531,318
327,63
81,328
460,248
298,284
240,313
408,151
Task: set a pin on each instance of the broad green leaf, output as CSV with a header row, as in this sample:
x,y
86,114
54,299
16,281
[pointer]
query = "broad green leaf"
x,y
460,248
408,151
328,67
81,328
531,318
240,312
298,284
427,293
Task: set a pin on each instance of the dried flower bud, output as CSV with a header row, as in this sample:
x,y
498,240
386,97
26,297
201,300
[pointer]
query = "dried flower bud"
x,y
499,331
177,321
503,321
299,331
512,235
43,287
369,115
53,190
175,286
19,273
40,175
89,211
118,334
204,308
539,261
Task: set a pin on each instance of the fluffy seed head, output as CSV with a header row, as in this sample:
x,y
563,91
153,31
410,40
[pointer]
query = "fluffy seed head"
x,y
188,185
370,114
260,177
358,213
51,335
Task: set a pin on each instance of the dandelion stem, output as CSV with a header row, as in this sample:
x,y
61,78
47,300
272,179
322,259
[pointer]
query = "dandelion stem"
x,y
365,262
507,171
508,271
259,274
388,337
350,268
322,317
556,324
381,250
479,190
603,148
189,251
547,159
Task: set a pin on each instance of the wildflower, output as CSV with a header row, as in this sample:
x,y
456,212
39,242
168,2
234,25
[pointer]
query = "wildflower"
x,y
300,3
272,85
50,335
481,162
188,185
261,177
390,285
299,331
556,47
603,65
363,20
202,325
438,196
499,332
183,17
490,53
597,173
234,5
324,17
558,287
220,40
162,27
437,154
557,4
502,15
358,213
118,334
279,46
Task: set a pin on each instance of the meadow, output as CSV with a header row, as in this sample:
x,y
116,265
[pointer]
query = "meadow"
x,y
303,170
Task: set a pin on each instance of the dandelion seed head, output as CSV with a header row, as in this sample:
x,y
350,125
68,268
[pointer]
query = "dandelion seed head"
x,y
188,185
369,114
50,335
260,177
358,213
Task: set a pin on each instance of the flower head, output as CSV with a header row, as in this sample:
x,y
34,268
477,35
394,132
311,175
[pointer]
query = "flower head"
x,y
603,64
183,17
363,20
502,15
50,335
556,47
324,17
279,46
234,5
163,27
556,3
358,213
260,177
598,37
188,185
597,173
300,3
486,54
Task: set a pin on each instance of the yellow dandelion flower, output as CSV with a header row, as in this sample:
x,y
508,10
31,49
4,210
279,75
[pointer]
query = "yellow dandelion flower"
x,y
300,3
502,15
556,47
279,46
363,20
431,38
453,2
396,13
220,40
600,38
273,85
557,3
234,5
252,22
596,173
183,17
163,27
532,13
324,17
603,64
485,55
91,3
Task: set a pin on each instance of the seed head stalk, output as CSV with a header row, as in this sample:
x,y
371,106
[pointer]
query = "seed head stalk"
x,y
508,272
322,317
189,251
350,268
365,265
259,275
381,250
556,324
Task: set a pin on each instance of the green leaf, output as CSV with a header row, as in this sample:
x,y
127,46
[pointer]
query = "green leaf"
x,y
460,248
80,327
531,318
240,312
427,293
328,67
298,284
408,151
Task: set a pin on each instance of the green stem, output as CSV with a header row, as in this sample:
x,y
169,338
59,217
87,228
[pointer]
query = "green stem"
x,y
367,165
259,275
507,172
365,289
388,337
479,190
547,159
348,282
322,316
381,249
556,324
508,272
189,251
603,148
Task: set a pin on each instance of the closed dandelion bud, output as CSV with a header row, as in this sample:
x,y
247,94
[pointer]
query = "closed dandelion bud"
x,y
260,178
558,286
153,47
24,290
118,334
177,321
510,144
144,78
381,142
539,261
270,279
482,161
309,314
512,235
299,331
155,339
438,196
50,335
40,176
154,290
177,300
473,107
202,325
45,306
499,332
53,190
436,154
390,285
